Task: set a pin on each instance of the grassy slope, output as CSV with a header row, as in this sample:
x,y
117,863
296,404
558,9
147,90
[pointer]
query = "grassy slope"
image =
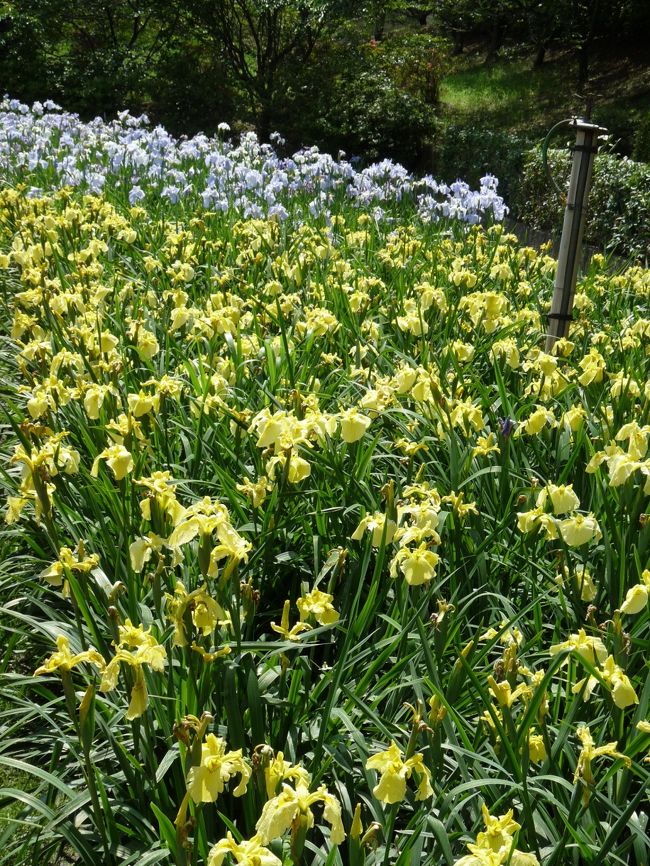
x,y
511,95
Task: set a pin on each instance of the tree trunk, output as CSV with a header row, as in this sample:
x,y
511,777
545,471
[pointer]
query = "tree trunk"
x,y
588,32
496,37
265,117
379,25
584,56
540,56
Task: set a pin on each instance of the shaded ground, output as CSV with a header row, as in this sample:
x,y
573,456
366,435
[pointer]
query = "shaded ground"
x,y
510,95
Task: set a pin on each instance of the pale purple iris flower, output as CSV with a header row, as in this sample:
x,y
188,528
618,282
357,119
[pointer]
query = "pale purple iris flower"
x,y
50,148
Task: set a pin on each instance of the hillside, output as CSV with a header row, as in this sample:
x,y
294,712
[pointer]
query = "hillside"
x,y
510,95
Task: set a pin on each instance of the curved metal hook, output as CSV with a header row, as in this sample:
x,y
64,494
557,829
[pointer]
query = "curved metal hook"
x,y
568,121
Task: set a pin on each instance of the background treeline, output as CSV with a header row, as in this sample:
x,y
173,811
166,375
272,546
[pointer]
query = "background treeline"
x,y
374,79
363,76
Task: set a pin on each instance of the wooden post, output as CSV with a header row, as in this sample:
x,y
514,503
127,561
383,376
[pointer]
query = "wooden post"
x,y
568,260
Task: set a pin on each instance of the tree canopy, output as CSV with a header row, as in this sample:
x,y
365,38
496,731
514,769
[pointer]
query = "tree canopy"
x,y
278,63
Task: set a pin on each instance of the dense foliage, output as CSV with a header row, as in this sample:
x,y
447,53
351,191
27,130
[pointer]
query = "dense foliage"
x,y
310,553
335,73
619,200
469,151
278,64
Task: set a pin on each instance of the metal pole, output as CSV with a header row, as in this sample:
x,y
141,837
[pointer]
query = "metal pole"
x,y
569,255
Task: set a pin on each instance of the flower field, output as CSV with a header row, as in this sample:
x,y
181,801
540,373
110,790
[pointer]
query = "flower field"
x,y
310,554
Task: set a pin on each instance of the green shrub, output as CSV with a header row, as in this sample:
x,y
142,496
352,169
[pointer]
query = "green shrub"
x,y
21,37
468,151
619,200
620,123
370,99
415,62
641,150
192,91
378,119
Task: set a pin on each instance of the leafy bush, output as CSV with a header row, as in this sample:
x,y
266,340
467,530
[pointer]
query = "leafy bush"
x,y
192,91
375,117
21,37
641,150
415,62
619,200
619,122
468,151
371,99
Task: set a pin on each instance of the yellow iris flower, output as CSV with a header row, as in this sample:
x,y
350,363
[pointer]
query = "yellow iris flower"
x,y
636,598
374,523
494,846
394,771
117,458
68,559
281,812
504,694
207,614
589,753
353,424
287,633
64,659
590,648
623,693
249,852
144,650
207,780
278,770
319,605
579,529
418,566
563,498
